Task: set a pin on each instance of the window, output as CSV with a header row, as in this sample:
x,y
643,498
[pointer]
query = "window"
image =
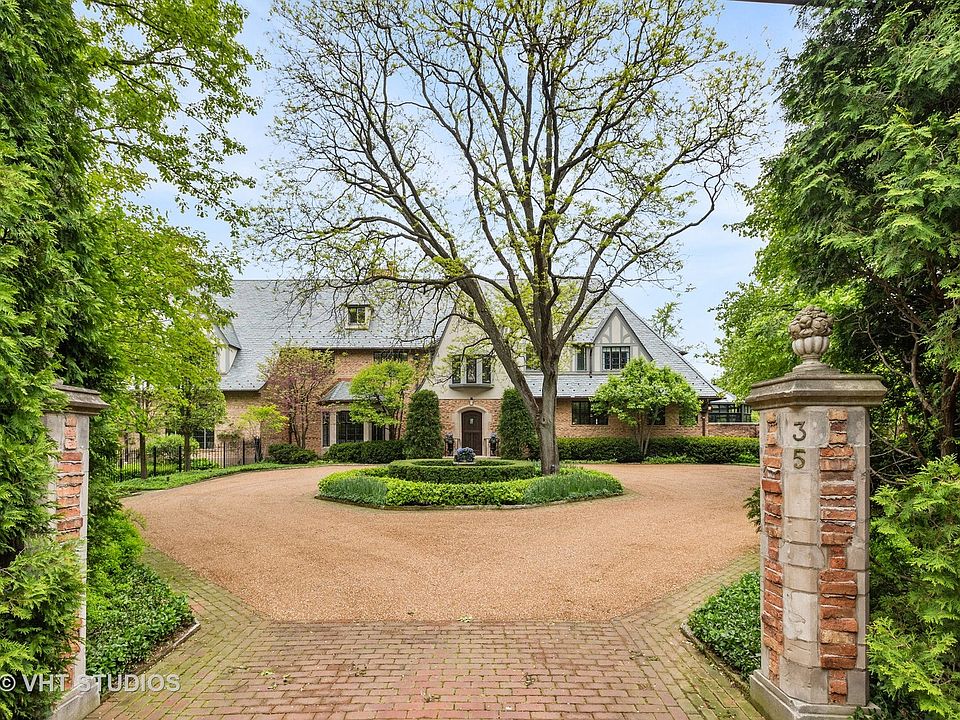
x,y
725,412
390,355
203,439
347,429
581,355
583,414
325,422
377,432
615,357
358,316
471,370
658,417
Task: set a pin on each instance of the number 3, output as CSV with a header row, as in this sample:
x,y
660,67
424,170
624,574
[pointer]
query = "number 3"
x,y
803,433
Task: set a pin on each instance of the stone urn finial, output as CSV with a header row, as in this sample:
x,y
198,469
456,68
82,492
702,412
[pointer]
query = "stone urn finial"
x,y
810,331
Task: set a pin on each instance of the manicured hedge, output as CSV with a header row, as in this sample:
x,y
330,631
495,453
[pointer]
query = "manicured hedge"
x,y
706,450
286,454
374,452
729,623
373,487
447,471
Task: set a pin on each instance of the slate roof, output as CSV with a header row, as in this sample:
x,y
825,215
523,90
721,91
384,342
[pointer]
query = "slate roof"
x,y
339,392
267,314
661,352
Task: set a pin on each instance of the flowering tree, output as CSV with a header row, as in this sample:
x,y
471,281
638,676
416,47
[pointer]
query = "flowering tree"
x,y
296,378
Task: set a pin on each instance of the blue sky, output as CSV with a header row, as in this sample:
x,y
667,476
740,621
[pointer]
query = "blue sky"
x,y
715,258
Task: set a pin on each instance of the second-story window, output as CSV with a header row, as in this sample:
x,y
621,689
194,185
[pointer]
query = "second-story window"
x,y
358,316
471,370
581,356
390,355
615,357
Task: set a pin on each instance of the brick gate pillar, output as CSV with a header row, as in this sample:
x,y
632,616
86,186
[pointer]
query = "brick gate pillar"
x,y
815,468
70,430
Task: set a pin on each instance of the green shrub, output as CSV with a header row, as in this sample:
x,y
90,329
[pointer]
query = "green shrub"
x,y
422,436
571,484
705,450
374,486
708,450
130,610
170,444
374,452
287,454
404,492
357,486
515,430
129,613
447,471
729,623
914,637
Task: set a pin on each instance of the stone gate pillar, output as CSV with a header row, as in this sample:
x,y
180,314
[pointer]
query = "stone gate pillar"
x,y
70,430
815,468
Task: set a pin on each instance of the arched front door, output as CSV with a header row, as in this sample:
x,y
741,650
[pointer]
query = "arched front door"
x,y
471,422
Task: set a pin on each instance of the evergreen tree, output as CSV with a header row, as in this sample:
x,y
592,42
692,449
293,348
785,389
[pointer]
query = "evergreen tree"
x,y
518,437
422,436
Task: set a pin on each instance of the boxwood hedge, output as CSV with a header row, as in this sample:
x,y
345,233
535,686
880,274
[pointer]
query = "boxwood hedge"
x,y
373,452
374,486
447,471
706,450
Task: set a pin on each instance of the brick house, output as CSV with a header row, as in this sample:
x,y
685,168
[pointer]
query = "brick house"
x,y
469,387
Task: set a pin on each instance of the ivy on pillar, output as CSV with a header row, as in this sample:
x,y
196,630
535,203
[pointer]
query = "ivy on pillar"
x,y
815,480
70,430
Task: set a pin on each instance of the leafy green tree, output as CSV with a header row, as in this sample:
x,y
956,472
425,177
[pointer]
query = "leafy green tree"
x,y
515,429
422,434
49,312
258,418
914,637
379,394
862,207
577,141
295,379
642,391
198,403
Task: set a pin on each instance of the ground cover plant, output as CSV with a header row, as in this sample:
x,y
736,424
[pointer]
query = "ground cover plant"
x,y
729,624
378,486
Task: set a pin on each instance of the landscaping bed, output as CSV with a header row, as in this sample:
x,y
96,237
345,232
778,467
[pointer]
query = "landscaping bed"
x,y
444,483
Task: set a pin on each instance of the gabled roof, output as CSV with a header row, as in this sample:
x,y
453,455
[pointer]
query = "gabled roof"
x,y
268,313
661,352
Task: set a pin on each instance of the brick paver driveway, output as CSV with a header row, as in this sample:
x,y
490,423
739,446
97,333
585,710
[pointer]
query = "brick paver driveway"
x,y
264,537
244,664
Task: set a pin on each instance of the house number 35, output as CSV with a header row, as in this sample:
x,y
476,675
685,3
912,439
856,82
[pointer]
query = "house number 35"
x,y
799,459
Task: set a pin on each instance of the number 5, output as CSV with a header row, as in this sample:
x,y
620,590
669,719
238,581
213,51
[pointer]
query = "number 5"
x,y
798,458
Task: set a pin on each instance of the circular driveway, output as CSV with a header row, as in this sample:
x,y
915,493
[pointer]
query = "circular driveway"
x,y
264,537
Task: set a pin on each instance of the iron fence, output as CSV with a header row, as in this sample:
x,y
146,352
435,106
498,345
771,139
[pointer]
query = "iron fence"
x,y
166,461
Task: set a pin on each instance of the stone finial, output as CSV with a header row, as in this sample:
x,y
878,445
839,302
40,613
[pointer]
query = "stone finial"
x,y
810,331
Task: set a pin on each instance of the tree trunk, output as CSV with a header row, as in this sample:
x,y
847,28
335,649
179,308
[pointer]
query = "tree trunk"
x,y
948,415
547,425
143,456
186,451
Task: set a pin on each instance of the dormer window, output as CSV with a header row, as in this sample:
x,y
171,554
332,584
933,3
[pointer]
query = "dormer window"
x,y
358,316
581,358
615,357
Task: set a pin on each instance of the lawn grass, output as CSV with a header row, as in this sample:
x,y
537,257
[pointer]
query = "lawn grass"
x,y
165,482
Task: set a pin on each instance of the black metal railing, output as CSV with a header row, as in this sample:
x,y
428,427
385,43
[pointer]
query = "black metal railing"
x,y
166,460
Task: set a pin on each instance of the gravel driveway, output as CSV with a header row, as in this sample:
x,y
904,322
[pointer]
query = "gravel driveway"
x,y
264,537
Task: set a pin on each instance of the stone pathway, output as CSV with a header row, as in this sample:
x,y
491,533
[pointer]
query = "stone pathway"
x,y
243,666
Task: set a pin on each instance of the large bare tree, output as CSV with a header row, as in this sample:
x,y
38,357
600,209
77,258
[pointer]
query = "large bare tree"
x,y
524,155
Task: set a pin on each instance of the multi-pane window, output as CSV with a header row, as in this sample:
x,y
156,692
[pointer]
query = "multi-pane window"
x,y
658,417
725,412
358,315
471,370
583,414
347,429
377,432
615,357
581,355
325,423
388,355
203,439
